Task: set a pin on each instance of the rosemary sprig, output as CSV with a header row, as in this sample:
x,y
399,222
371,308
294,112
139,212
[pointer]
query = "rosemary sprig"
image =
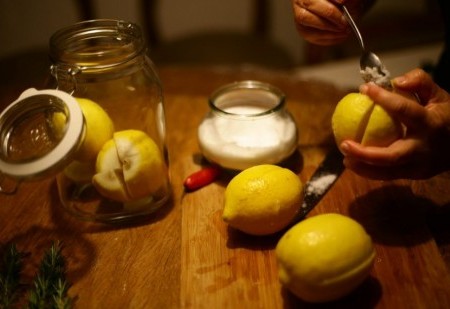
x,y
50,285
10,276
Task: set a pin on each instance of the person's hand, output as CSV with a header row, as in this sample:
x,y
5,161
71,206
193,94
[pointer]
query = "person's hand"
x,y
425,149
321,22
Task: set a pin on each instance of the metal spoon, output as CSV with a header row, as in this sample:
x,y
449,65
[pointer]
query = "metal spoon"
x,y
372,69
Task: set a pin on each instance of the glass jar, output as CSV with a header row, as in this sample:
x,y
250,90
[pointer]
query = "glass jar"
x,y
247,125
117,168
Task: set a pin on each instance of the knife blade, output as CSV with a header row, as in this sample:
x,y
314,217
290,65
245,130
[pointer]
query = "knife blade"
x,y
321,181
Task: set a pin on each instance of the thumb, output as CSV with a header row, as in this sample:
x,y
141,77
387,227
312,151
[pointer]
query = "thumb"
x,y
418,82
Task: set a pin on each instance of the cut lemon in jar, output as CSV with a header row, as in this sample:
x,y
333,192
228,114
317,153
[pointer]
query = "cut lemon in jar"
x,y
357,118
129,167
324,257
262,199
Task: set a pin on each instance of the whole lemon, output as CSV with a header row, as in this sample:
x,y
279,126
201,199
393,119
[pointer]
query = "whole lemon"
x,y
358,118
80,172
98,129
324,258
262,199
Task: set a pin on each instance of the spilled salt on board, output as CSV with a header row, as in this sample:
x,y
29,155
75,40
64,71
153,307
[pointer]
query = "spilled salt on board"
x,y
320,185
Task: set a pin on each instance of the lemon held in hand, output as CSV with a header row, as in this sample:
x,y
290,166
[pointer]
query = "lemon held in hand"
x,y
262,199
129,167
358,118
324,257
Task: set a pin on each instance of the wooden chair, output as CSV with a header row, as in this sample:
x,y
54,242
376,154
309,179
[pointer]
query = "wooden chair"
x,y
217,47
29,67
86,9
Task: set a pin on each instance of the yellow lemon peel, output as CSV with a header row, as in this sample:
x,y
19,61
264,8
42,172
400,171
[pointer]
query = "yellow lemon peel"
x,y
324,257
263,199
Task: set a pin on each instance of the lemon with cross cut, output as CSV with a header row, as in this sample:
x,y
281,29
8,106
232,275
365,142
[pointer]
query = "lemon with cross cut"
x,y
356,117
129,167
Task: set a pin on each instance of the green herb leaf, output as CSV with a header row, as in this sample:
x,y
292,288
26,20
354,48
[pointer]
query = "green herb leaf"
x,y
50,285
11,268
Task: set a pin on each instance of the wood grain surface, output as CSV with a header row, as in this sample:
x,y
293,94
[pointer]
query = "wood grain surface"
x,y
185,256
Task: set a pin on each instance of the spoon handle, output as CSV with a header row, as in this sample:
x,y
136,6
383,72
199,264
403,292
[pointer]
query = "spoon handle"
x,y
354,27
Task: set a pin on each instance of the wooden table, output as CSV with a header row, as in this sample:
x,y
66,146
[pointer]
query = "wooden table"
x,y
186,257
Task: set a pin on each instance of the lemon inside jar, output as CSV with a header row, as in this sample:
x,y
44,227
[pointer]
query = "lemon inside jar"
x,y
128,167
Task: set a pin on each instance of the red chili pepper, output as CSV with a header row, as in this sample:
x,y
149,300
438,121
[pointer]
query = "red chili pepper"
x,y
203,177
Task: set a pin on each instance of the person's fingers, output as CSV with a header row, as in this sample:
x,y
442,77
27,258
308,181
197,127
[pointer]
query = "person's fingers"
x,y
421,83
398,153
422,153
319,14
321,37
406,110
405,158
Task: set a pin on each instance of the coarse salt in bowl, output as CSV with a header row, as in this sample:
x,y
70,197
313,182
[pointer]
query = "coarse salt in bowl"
x,y
247,125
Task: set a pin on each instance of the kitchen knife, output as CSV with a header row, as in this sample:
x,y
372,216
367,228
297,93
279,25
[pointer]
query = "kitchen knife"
x,y
321,181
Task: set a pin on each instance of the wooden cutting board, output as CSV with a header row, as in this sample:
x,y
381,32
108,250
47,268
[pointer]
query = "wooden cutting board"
x,y
221,267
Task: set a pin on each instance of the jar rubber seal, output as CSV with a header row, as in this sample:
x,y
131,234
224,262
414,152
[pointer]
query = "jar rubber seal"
x,y
20,113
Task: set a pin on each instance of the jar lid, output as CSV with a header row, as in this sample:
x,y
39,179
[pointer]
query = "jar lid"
x,y
38,133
